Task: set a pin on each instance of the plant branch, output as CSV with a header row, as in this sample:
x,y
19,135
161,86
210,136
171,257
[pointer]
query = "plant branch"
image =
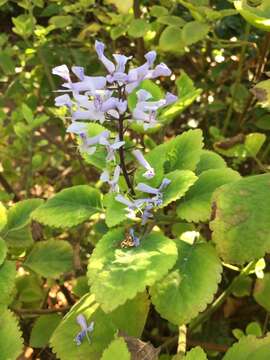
x,y
237,80
139,41
122,156
8,188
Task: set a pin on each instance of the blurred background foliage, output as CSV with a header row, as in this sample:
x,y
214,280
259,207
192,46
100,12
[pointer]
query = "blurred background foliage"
x,y
216,57
206,43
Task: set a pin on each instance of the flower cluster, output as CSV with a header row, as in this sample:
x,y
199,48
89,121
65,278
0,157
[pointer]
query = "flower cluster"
x,y
103,99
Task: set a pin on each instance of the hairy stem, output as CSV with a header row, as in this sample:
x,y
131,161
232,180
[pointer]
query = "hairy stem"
x,y
122,156
182,341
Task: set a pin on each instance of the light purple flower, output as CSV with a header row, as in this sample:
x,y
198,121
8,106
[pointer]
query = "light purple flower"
x,y
150,172
105,177
77,128
62,71
88,143
132,206
111,147
157,200
63,100
116,72
86,330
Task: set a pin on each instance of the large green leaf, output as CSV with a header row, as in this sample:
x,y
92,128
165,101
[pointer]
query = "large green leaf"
x,y
196,205
69,207
116,350
261,291
258,16
210,160
249,348
129,318
11,343
184,151
50,258
130,269
188,287
42,330
17,232
241,221
181,181
7,281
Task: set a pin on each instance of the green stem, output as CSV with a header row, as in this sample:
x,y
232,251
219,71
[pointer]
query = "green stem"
x,y
237,80
220,300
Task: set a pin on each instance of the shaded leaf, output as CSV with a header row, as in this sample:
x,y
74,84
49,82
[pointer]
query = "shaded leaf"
x,y
42,330
7,281
249,348
196,205
116,350
50,258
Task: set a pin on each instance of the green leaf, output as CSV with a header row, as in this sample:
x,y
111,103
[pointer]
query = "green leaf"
x,y
254,142
7,281
263,122
261,291
171,20
196,205
181,181
194,31
30,289
115,211
24,25
187,93
131,269
184,151
27,113
171,40
61,21
116,350
242,287
3,216
138,28
3,250
242,214
19,214
17,232
118,31
69,207
249,348
129,318
42,330
80,286
258,16
262,91
6,63
188,288
50,258
158,11
210,160
254,328
11,343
